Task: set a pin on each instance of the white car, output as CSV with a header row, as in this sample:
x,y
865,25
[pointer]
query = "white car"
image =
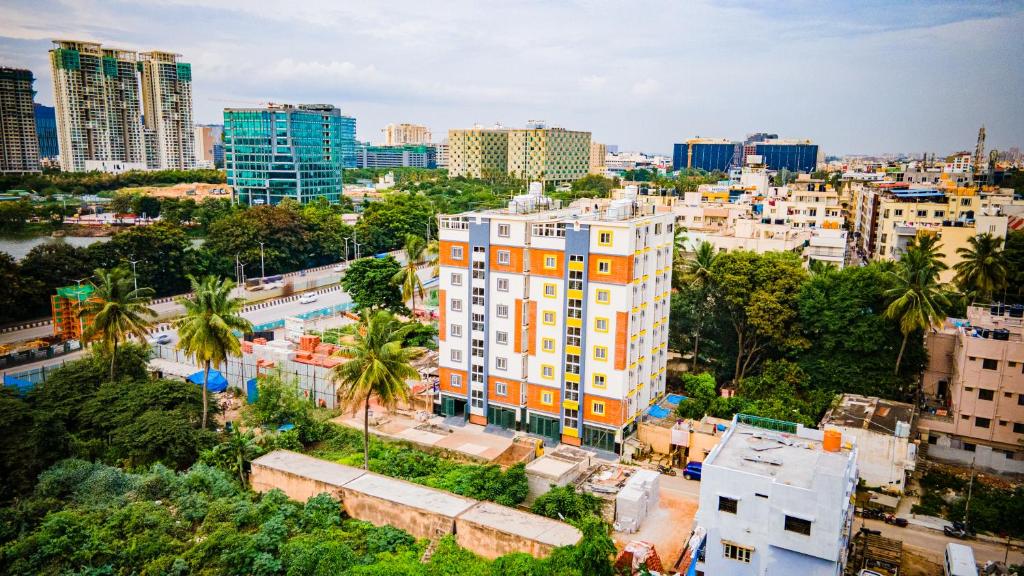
x,y
339,268
308,298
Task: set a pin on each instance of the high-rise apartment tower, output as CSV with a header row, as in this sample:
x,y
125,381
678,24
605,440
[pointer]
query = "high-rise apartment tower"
x,y
167,108
19,145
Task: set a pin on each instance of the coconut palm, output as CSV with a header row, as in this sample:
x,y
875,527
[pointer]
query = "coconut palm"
x,y
929,246
983,271
433,251
377,367
698,267
117,311
917,301
207,330
237,451
407,277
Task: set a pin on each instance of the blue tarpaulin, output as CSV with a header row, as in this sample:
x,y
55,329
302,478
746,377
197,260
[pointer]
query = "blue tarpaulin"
x,y
658,412
216,383
252,391
285,427
23,386
674,399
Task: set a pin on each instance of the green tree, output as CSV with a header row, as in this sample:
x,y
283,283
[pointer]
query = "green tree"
x,y
384,225
596,549
983,270
117,311
916,300
14,288
1014,254
407,277
280,228
162,252
279,402
50,266
206,332
565,503
235,453
376,368
13,215
700,396
369,281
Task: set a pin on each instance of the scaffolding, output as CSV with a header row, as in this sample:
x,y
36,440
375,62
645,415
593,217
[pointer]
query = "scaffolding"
x,y
66,306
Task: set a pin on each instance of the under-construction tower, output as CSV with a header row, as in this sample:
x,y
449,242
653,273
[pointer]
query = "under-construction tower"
x,y
66,305
979,156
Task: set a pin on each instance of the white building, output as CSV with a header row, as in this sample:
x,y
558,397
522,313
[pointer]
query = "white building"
x,y
885,454
776,499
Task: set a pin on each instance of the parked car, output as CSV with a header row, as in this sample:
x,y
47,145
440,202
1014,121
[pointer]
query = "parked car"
x,y
693,470
309,298
162,339
896,521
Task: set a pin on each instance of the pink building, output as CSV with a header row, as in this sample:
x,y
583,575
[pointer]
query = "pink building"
x,y
974,387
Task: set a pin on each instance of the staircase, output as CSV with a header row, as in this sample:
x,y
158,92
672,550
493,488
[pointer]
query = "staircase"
x,y
440,529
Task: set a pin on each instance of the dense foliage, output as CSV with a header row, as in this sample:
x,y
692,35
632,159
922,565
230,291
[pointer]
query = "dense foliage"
x,y
565,503
49,183
369,282
993,509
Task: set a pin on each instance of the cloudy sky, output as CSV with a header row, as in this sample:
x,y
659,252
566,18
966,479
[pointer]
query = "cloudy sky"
x,y
866,76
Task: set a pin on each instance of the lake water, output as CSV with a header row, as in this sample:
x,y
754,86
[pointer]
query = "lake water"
x,y
19,247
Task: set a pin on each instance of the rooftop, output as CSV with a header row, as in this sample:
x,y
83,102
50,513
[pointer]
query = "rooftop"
x,y
531,526
411,495
788,453
868,412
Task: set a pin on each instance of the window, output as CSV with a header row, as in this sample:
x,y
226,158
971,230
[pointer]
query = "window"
x,y
500,389
477,398
600,353
547,371
1018,428
456,305
456,355
600,380
456,330
970,447
550,262
982,422
604,237
604,266
798,525
985,394
549,291
456,279
1020,399
455,380
989,364
597,408
549,317
726,504
547,398
501,363
503,231
504,257
502,310
734,552
548,344
601,324
456,252
603,296
502,337
502,284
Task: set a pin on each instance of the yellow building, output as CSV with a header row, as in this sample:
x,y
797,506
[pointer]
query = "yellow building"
x,y
536,153
478,152
597,153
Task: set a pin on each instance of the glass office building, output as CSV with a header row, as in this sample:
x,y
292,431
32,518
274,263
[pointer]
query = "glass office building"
x,y
706,156
46,131
284,151
348,141
795,157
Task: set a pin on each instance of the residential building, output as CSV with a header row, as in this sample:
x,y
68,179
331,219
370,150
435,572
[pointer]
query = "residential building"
x,y
442,155
791,155
46,132
555,320
19,143
598,152
548,154
408,155
777,498
399,134
478,152
283,151
708,154
208,138
348,141
96,95
167,108
974,389
885,453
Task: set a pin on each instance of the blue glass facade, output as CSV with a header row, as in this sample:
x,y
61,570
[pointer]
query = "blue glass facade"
x,y
284,152
348,141
703,156
792,157
46,131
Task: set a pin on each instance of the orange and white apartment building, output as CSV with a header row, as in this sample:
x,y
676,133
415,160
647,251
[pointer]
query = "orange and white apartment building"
x,y
555,320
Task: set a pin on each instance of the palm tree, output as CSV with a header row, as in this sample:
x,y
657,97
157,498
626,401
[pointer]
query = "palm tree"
x,y
917,300
929,246
237,450
206,331
821,268
433,251
377,366
118,311
698,268
983,271
407,277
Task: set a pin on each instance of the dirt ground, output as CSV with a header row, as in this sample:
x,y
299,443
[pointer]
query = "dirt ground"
x,y
667,527
201,191
916,565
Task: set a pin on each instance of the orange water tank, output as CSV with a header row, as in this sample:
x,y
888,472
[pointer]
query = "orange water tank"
x,y
833,441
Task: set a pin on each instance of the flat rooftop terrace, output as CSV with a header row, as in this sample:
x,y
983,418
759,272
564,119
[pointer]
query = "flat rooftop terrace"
x,y
785,457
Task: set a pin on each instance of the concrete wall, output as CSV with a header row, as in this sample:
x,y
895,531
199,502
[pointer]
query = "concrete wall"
x,y
490,542
983,457
381,512
296,487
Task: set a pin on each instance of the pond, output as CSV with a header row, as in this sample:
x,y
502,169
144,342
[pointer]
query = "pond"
x,y
19,247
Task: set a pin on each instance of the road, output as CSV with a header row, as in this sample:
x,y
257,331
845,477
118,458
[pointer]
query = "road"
x,y
931,543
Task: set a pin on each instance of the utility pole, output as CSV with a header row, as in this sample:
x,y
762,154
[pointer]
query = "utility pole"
x,y
135,277
970,487
263,272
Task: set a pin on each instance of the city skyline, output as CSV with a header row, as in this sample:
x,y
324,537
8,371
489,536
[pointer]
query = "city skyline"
x,y
857,80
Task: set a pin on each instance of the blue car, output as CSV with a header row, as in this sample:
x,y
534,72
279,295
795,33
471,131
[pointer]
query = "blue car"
x,y
692,471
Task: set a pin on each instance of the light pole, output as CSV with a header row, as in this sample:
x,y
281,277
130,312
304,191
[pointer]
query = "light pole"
x,y
346,249
263,272
135,277
357,248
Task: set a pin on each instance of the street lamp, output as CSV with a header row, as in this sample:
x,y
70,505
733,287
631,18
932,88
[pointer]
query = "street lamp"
x,y
263,272
135,277
346,249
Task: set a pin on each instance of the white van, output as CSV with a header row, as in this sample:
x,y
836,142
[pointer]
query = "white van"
x,y
959,561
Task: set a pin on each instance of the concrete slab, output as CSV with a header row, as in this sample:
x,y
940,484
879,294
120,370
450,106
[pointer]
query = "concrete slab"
x,y
297,464
410,494
524,524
